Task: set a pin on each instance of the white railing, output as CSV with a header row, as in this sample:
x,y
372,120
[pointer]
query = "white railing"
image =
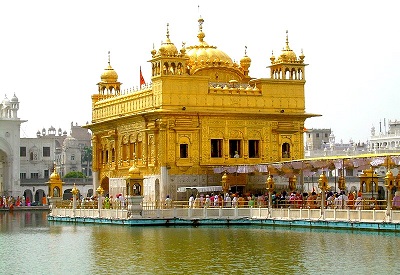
x,y
237,213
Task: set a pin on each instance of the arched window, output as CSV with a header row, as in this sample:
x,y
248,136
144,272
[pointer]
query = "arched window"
x,y
286,150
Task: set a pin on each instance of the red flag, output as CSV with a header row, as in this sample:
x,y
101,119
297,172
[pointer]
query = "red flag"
x,y
142,82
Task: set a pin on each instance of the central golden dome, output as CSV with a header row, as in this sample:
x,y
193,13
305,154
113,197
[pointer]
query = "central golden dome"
x,y
202,53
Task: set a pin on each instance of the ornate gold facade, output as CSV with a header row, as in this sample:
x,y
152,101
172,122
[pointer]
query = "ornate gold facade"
x,y
202,110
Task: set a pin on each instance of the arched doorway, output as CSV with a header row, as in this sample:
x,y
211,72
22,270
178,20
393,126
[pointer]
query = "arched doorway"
x,y
28,196
105,184
67,194
4,173
40,197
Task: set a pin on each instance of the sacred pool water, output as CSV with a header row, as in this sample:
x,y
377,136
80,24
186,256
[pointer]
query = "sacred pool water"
x,y
29,244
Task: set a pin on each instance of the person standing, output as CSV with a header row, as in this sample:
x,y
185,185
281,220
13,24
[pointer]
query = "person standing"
x,y
168,202
228,200
396,201
359,202
191,201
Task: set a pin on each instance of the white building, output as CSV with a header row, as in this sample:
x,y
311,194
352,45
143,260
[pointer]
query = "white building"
x,y
49,149
9,147
386,141
27,163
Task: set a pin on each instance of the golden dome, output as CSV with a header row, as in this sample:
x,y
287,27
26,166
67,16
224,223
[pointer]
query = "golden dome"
x,y
287,54
202,53
54,176
245,62
109,74
168,48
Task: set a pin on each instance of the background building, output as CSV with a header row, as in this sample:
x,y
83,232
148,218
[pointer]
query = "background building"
x,y
9,147
54,149
201,111
27,163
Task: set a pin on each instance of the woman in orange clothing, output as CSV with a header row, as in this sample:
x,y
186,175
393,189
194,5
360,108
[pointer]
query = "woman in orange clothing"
x,y
350,202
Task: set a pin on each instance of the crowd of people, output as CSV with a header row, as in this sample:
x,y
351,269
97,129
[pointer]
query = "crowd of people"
x,y
294,199
10,201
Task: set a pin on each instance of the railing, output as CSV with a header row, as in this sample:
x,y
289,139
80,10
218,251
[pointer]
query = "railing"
x,y
180,209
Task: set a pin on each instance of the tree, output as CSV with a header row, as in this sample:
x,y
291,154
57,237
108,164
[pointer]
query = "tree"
x,y
75,174
87,158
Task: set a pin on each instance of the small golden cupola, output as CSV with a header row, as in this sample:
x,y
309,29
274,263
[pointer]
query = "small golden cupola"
x,y
109,84
168,60
287,54
245,62
55,184
109,75
288,66
168,48
54,176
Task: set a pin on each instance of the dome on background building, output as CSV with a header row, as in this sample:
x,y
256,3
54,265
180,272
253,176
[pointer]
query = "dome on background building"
x,y
70,142
6,101
14,98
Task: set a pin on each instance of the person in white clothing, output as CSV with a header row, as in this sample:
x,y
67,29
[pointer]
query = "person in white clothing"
x,y
359,202
191,201
228,200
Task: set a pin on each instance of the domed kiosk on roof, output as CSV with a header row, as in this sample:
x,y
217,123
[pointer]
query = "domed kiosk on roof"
x,y
109,84
109,75
14,98
168,48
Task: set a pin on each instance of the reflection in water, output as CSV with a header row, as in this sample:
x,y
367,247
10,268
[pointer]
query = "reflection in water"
x,y
28,241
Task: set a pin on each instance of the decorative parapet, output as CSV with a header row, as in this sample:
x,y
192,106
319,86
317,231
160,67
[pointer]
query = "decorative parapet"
x,y
233,89
127,103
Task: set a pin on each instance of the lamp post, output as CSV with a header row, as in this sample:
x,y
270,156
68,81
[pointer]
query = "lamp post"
x,y
389,179
342,182
224,183
270,187
74,192
323,185
292,183
100,192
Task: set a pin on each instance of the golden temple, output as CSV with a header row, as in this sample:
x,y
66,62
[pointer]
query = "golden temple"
x,y
202,110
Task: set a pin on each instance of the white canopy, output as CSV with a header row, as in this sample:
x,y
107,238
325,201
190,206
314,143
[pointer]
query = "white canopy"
x,y
201,189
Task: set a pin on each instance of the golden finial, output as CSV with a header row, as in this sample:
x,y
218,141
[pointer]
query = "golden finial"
x,y
287,40
245,50
168,30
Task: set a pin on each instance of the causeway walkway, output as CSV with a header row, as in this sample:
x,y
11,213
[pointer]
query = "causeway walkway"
x,y
381,220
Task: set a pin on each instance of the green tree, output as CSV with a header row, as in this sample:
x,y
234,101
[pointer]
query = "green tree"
x,y
87,158
75,174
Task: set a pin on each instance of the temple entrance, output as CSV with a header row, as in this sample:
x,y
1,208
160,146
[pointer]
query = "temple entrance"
x,y
105,184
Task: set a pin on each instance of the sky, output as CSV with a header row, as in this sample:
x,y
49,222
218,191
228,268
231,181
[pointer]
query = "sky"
x,y
53,53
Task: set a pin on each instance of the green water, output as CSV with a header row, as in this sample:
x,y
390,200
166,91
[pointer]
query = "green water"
x,y
31,245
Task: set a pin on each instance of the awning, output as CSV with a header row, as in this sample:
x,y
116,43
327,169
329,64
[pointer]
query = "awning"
x,y
201,189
